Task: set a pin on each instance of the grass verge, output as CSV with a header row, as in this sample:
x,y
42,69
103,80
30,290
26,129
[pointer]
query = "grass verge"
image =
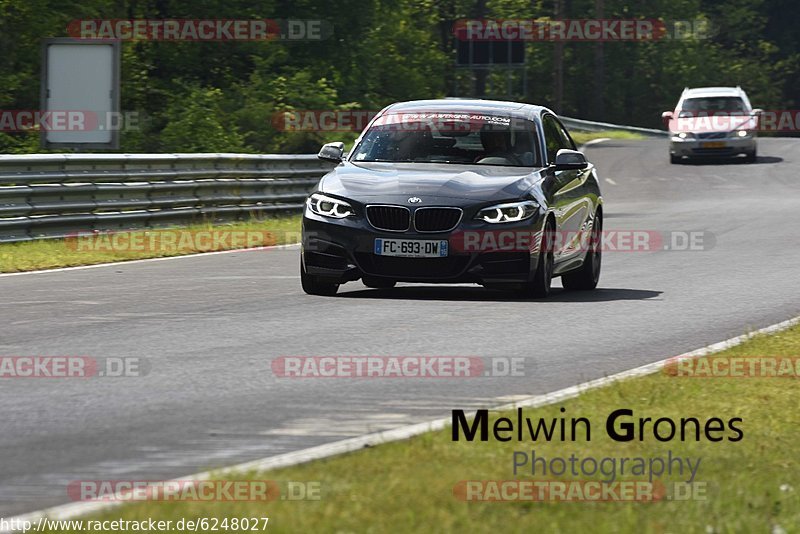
x,y
752,485
581,138
155,243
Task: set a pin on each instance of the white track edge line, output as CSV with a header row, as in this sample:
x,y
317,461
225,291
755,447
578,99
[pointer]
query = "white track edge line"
x,y
594,142
73,510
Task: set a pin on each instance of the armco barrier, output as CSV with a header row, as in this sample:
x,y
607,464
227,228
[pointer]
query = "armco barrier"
x,y
54,195
592,126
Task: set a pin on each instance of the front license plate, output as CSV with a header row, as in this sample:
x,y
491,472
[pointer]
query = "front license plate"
x,y
411,248
713,144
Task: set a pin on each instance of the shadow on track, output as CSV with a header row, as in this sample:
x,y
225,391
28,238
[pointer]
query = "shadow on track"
x,y
479,294
760,160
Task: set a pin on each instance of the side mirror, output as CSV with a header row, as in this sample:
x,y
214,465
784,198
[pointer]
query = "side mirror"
x,y
570,160
667,117
332,152
756,116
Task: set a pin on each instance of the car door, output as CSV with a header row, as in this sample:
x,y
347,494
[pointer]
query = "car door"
x,y
584,205
568,196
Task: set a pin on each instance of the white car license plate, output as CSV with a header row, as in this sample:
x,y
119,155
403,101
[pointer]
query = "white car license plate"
x,y
411,248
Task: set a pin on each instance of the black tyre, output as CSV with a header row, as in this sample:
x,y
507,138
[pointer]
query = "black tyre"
x,y
586,278
539,287
751,157
314,285
674,159
378,283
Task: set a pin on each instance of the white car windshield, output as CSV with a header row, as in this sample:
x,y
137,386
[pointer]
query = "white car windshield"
x,y
724,104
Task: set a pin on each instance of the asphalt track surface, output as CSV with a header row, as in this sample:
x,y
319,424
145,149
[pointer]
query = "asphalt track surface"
x,y
209,326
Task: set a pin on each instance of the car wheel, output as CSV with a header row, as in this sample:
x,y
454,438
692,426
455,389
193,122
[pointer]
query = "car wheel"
x,y
674,159
378,283
751,157
539,287
314,285
588,275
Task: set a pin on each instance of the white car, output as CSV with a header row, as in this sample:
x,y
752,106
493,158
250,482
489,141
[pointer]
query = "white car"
x,y
712,122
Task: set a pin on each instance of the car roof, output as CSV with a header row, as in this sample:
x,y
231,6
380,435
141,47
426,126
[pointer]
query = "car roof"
x,y
713,91
471,105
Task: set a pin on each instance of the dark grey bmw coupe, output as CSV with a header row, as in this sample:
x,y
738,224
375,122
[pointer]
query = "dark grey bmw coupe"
x,y
455,191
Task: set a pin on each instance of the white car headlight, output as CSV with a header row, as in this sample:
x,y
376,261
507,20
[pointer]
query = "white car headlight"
x,y
506,213
742,133
328,206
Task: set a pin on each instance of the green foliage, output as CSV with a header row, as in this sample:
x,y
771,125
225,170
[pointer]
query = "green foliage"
x,y
198,123
264,97
19,143
225,95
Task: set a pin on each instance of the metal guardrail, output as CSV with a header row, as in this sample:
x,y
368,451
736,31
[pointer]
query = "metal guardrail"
x,y
57,195
592,126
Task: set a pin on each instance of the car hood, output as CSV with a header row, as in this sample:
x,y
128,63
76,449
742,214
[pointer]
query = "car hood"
x,y
397,182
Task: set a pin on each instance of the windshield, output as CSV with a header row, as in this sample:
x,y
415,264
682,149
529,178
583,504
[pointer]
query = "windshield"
x,y
455,138
728,104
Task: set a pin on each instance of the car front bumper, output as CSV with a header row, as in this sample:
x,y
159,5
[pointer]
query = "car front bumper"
x,y
342,250
726,147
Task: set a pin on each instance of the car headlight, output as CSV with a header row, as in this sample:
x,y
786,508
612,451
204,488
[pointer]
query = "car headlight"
x,y
742,133
329,207
684,135
506,213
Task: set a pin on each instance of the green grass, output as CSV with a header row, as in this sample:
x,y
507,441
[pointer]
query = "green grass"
x,y
581,138
52,253
753,485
